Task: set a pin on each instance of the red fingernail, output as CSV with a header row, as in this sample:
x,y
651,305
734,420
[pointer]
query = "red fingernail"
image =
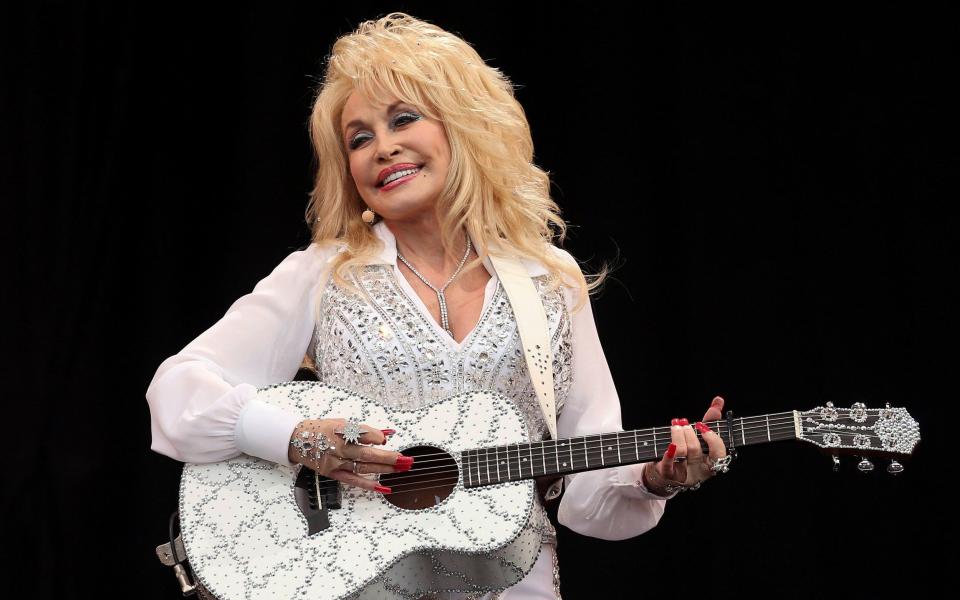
x,y
684,422
675,422
404,461
402,467
382,489
702,427
671,450
387,431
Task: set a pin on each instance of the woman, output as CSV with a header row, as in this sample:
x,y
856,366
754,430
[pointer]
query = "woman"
x,y
424,169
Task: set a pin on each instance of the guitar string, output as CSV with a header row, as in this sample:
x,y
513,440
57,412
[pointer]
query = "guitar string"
x,y
665,432
592,447
597,444
747,423
418,474
720,428
625,438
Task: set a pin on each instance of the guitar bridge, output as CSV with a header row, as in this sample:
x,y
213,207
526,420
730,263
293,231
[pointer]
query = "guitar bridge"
x,y
315,495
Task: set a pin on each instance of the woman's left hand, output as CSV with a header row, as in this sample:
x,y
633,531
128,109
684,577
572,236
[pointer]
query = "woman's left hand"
x,y
684,465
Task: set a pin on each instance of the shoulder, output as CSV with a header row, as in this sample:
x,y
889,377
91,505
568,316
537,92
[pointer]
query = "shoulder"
x,y
304,266
536,267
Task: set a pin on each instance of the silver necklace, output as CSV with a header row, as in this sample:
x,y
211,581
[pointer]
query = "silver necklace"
x,y
444,320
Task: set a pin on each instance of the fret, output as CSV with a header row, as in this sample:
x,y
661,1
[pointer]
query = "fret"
x,y
556,454
496,457
605,449
476,460
543,457
486,455
530,446
570,448
619,460
507,452
519,462
636,445
656,454
767,417
469,469
602,463
743,432
586,457
513,457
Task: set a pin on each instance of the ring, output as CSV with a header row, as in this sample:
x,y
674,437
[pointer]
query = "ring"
x,y
679,459
354,468
721,465
350,431
308,442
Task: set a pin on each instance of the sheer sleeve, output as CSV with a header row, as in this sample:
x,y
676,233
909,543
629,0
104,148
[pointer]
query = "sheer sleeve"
x,y
612,503
203,404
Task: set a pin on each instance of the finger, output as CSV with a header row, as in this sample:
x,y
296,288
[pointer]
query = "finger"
x,y
715,412
369,454
356,480
368,434
666,464
375,436
715,445
694,451
365,468
677,437
676,434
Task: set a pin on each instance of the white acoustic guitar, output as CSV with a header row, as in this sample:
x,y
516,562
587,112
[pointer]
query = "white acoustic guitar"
x,y
253,529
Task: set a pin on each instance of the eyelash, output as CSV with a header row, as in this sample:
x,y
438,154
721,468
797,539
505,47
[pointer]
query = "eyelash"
x,y
354,144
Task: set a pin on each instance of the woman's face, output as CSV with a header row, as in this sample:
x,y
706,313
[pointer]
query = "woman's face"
x,y
380,139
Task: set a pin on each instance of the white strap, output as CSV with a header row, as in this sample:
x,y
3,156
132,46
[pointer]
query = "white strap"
x,y
534,334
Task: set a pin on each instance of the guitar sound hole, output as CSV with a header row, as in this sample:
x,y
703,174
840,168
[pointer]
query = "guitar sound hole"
x,y
428,483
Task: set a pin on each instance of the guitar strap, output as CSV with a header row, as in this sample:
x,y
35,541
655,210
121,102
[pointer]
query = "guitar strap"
x,y
534,333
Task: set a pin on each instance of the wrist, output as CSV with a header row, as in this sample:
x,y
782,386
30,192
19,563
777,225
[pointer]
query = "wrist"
x,y
653,481
294,453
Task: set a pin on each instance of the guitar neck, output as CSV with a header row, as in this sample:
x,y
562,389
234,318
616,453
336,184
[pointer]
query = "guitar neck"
x,y
487,466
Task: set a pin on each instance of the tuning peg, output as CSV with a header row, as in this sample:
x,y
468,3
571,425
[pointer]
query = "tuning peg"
x,y
829,404
865,465
836,463
894,467
859,405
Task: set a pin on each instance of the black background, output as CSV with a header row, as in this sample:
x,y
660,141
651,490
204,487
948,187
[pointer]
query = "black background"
x,y
774,186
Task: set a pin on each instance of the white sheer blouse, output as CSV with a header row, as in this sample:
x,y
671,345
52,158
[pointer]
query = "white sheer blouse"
x,y
204,408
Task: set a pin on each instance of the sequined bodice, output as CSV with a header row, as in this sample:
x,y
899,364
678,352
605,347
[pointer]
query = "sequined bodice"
x,y
380,344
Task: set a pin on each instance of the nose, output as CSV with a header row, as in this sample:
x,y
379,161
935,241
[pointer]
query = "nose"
x,y
386,147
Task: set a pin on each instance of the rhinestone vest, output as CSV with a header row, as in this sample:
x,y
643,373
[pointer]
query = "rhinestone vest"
x,y
379,344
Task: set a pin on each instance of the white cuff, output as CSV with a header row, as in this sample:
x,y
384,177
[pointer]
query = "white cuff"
x,y
264,431
630,483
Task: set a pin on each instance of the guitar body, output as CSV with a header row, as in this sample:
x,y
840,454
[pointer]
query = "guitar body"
x,y
249,535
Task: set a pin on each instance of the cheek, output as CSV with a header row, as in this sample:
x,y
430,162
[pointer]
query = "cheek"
x,y
353,165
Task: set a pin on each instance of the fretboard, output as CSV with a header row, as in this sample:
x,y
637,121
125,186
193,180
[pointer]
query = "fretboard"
x,y
486,466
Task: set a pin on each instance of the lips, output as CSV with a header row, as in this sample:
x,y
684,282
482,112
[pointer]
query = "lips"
x,y
400,167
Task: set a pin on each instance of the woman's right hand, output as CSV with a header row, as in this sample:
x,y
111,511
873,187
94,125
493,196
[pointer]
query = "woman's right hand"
x,y
316,444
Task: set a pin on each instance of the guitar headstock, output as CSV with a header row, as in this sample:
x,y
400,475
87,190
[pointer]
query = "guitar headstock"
x,y
865,432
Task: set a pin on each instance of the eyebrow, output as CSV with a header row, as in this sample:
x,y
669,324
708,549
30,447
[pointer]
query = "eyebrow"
x,y
358,122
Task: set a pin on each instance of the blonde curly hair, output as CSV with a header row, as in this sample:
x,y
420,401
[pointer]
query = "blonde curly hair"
x,y
493,189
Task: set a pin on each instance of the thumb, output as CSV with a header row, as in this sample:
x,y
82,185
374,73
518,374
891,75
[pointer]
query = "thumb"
x,y
715,412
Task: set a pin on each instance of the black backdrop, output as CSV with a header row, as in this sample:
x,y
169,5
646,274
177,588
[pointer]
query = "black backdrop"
x,y
774,187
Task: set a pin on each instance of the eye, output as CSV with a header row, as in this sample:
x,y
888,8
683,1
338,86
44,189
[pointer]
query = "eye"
x,y
401,119
357,141
406,117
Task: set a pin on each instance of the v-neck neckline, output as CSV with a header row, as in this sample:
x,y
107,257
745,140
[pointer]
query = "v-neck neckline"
x,y
414,298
